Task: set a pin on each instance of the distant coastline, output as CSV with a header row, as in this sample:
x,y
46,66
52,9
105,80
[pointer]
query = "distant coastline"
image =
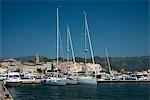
x,y
137,63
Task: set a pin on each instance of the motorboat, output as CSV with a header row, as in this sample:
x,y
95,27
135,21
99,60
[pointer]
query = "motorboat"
x,y
28,78
13,79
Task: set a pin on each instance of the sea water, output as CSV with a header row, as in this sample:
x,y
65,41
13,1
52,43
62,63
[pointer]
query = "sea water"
x,y
103,91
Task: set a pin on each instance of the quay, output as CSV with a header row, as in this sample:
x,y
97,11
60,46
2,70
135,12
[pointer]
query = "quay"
x,y
38,81
4,93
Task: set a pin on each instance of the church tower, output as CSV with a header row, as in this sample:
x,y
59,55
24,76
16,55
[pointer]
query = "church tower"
x,y
37,59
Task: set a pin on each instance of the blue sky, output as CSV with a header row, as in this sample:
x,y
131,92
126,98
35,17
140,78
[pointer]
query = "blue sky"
x,y
29,27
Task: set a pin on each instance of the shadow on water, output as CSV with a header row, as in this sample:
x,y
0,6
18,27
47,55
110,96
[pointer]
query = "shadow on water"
x,y
103,91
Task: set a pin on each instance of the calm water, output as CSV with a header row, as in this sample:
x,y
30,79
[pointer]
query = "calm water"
x,y
103,91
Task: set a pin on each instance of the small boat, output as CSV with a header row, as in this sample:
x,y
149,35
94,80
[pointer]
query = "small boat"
x,y
13,79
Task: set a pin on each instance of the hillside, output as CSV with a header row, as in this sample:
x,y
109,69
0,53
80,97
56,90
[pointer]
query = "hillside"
x,y
117,63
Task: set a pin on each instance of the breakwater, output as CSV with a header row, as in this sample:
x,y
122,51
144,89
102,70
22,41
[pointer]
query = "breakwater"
x,y
4,93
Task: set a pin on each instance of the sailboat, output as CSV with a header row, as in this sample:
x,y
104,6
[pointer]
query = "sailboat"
x,y
111,75
56,80
71,78
90,80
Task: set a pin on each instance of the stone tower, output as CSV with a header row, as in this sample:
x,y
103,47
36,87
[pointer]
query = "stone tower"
x,y
37,59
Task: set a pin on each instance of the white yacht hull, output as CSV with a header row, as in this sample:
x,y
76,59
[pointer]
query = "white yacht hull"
x,y
12,83
72,81
87,80
55,81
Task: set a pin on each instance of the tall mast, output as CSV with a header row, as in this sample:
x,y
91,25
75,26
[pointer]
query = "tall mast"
x,y
85,41
71,44
61,47
87,34
108,61
57,42
89,38
67,43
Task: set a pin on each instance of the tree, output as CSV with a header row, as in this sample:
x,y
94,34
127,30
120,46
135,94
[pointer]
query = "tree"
x,y
52,67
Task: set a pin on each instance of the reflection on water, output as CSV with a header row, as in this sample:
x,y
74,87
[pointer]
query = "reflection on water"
x,y
103,91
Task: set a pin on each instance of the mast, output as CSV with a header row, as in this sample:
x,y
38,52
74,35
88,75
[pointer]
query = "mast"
x,y
89,38
108,61
85,41
61,47
69,40
87,34
71,44
57,42
67,43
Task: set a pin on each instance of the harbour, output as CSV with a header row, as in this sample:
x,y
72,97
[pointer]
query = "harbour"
x,y
32,86
74,50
